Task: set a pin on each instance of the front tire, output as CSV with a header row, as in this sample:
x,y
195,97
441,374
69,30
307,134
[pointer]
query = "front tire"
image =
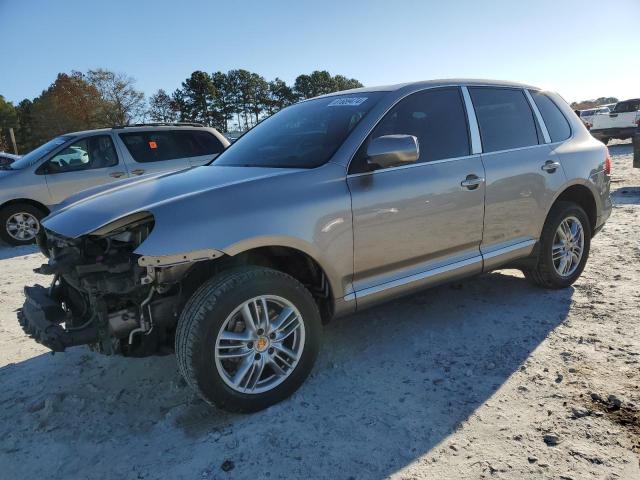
x,y
248,338
564,247
20,223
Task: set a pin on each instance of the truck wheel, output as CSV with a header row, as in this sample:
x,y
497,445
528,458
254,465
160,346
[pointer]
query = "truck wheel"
x,y
20,223
564,247
248,338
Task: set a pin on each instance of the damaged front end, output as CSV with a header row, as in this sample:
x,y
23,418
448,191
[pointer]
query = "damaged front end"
x,y
103,294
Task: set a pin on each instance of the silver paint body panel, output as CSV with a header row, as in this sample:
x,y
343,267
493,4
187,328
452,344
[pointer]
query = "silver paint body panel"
x,y
414,219
376,235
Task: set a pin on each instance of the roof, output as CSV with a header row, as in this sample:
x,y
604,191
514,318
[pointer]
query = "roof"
x,y
434,83
139,127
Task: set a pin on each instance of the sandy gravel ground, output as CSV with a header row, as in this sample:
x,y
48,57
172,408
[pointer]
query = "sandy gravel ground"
x,y
487,378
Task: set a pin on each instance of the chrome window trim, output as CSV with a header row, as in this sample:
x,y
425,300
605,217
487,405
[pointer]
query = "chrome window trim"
x,y
445,160
411,165
472,121
536,112
516,149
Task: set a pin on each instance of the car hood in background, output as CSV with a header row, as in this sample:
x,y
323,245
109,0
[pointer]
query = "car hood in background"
x,y
91,209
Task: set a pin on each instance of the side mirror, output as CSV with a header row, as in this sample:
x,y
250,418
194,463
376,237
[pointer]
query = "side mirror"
x,y
393,150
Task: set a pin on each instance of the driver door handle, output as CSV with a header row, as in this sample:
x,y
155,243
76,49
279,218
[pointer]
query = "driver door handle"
x,y
137,171
116,174
550,166
472,182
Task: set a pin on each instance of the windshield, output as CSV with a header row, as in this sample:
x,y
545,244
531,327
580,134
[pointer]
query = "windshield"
x,y
34,155
304,135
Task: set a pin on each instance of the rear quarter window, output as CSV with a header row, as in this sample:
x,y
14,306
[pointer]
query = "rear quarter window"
x,y
206,143
557,125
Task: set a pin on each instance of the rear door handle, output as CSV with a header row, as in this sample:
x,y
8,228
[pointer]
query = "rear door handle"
x,y
137,171
117,174
550,166
472,182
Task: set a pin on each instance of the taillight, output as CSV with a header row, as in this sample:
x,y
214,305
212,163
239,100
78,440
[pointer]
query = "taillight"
x,y
607,163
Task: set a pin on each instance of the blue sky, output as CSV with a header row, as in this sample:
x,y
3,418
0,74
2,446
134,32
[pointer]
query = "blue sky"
x,y
580,48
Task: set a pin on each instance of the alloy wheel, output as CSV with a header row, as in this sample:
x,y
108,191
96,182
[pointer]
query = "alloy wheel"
x,y
568,246
22,226
260,344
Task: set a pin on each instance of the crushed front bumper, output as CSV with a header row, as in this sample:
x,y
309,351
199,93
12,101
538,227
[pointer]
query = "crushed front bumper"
x,y
41,317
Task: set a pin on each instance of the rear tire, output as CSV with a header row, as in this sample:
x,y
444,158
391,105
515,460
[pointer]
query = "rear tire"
x,y
216,342
547,272
20,223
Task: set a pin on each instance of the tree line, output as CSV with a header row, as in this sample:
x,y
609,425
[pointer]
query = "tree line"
x,y
585,104
235,100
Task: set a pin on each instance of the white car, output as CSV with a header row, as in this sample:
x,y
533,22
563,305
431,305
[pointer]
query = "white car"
x,y
620,122
587,115
32,186
8,158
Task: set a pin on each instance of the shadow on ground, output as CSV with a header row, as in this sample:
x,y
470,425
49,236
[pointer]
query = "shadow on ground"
x,y
626,195
621,149
8,251
391,383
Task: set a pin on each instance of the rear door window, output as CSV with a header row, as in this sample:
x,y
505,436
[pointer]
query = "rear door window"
x,y
557,125
505,118
158,146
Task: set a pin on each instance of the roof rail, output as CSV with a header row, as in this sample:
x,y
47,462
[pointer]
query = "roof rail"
x,y
161,124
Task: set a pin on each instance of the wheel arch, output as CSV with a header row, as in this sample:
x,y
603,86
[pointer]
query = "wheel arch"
x,y
28,201
287,259
581,195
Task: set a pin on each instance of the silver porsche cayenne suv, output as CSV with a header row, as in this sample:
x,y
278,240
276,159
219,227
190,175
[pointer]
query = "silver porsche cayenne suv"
x,y
328,207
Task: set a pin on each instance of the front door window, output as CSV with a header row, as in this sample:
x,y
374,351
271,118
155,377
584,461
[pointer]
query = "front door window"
x,y
86,154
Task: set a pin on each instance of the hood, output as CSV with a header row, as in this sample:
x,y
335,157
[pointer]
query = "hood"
x,y
91,209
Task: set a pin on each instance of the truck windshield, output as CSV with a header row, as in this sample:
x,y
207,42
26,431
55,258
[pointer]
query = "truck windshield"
x,y
304,135
34,155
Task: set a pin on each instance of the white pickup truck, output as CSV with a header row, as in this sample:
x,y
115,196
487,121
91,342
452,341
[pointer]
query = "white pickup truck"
x,y
620,122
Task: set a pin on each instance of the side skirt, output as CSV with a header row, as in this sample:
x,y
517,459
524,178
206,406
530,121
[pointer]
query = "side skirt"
x,y
518,254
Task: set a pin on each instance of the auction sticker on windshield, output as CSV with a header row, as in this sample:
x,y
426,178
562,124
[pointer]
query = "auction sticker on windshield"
x,y
347,102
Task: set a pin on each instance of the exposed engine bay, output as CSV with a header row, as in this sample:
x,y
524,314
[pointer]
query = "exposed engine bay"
x,y
100,295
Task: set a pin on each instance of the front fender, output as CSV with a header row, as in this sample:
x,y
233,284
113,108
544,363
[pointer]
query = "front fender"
x,y
310,213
